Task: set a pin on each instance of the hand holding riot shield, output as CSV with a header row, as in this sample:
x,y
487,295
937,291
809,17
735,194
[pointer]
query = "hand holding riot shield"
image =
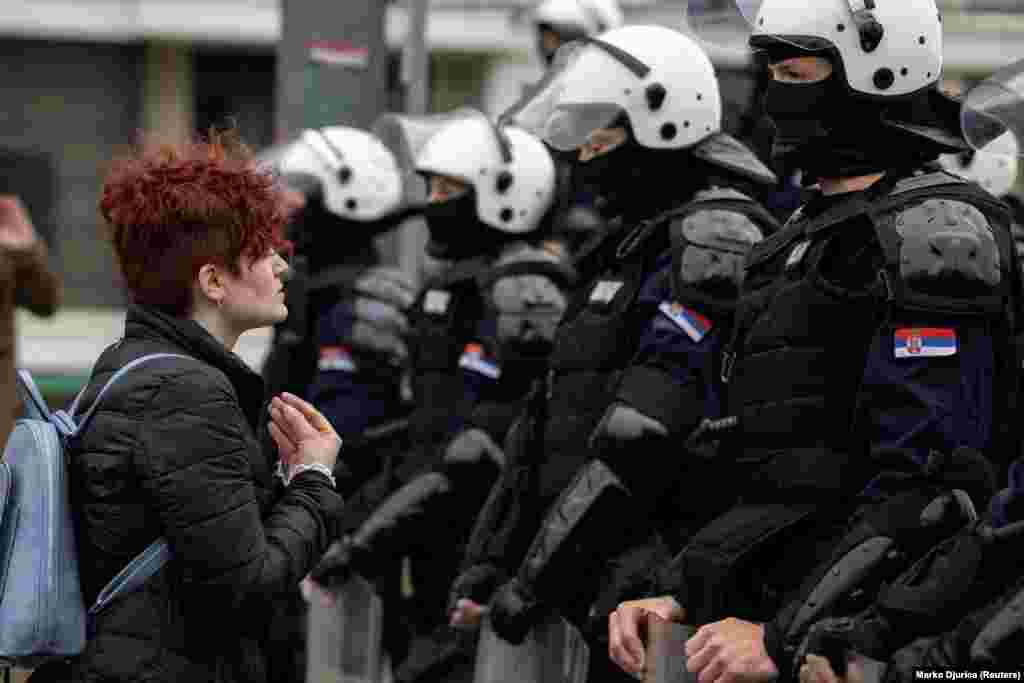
x,y
665,658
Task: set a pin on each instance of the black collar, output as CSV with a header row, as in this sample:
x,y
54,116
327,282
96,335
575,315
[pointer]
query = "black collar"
x,y
148,324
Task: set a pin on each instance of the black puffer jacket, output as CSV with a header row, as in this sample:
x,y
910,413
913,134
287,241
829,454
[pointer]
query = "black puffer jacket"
x,y
173,452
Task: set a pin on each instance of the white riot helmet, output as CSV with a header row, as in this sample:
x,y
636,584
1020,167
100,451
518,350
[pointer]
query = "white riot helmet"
x,y
660,79
883,48
577,18
510,171
358,176
993,167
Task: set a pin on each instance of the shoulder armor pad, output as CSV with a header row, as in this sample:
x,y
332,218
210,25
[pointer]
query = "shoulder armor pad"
x,y
719,193
924,180
943,238
729,153
717,224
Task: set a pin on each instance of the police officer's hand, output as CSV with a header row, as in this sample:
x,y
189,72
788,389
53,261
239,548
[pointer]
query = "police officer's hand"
x,y
816,669
473,446
625,423
628,621
730,651
378,309
335,567
477,584
467,614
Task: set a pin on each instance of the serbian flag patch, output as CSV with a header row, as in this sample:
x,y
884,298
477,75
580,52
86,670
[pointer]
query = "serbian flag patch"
x,y
925,342
690,321
336,358
474,359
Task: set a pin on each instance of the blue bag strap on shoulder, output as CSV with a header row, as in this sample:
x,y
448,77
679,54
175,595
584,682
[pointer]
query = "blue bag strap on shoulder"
x,y
139,570
158,553
128,367
31,397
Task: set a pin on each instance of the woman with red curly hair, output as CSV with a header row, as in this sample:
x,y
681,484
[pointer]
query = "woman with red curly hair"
x,y
174,451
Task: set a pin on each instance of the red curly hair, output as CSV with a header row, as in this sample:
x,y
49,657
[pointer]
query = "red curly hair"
x,y
171,210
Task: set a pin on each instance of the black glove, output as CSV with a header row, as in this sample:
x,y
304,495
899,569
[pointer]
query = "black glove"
x,y
343,559
473,446
623,423
514,611
476,583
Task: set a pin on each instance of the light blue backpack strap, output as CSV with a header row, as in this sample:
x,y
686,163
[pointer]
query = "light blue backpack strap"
x,y
128,367
149,561
31,397
139,570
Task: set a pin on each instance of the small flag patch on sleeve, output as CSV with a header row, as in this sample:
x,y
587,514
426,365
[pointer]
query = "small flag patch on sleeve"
x,y
690,321
336,358
474,359
925,342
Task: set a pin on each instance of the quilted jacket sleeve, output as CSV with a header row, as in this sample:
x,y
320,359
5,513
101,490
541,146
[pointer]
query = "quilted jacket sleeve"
x,y
197,470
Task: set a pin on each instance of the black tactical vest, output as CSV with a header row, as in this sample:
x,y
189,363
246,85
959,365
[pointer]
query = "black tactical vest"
x,y
443,319
800,342
600,332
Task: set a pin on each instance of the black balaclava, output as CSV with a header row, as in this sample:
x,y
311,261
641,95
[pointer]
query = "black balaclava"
x,y
325,239
827,131
638,182
824,131
456,231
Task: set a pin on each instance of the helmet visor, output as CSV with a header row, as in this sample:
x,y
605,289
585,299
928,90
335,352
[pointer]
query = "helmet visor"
x,y
735,29
994,108
573,101
408,136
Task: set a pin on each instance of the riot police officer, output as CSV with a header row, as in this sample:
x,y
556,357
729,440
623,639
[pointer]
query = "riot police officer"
x,y
525,293
558,22
873,330
579,219
634,358
343,346
487,186
887,641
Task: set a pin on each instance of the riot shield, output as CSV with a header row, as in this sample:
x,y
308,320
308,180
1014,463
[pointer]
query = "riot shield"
x,y
344,641
553,652
992,115
665,658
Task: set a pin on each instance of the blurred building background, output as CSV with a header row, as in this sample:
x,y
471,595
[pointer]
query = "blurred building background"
x,y
83,77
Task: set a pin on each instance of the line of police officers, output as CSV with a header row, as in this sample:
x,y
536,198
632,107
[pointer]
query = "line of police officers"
x,y
662,403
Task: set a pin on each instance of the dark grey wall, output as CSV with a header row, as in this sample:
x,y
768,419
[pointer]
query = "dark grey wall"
x,y
71,105
236,88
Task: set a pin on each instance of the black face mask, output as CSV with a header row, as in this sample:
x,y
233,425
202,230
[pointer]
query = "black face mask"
x,y
456,231
326,239
825,132
632,179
